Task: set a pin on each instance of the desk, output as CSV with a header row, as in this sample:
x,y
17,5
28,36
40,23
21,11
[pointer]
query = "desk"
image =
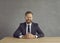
x,y
40,40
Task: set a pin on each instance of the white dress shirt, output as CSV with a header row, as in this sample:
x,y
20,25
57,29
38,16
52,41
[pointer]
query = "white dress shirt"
x,y
29,28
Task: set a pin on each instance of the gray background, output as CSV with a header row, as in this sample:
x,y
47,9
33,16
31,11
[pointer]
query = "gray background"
x,y
46,14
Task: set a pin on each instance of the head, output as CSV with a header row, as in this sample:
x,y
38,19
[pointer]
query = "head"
x,y
28,17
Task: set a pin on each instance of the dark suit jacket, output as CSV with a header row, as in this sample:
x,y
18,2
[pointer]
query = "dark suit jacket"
x,y
35,30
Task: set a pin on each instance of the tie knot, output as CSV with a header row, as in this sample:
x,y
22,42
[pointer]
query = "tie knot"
x,y
28,25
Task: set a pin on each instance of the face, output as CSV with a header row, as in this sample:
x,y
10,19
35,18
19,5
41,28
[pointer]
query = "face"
x,y
28,18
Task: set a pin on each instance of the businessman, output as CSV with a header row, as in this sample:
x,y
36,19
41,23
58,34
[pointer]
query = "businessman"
x,y
28,29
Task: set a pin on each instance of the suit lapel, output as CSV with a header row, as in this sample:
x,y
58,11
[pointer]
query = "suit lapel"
x,y
32,27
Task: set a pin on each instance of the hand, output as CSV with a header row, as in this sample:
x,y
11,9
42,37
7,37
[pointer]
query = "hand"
x,y
29,36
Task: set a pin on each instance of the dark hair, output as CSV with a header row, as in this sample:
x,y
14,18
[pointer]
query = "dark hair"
x,y
28,13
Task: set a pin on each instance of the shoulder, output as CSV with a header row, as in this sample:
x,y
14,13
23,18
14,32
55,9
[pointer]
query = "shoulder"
x,y
35,23
22,23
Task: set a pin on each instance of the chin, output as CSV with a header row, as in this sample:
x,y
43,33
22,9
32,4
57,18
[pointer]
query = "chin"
x,y
29,22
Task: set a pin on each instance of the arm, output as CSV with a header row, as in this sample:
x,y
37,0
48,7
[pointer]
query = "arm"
x,y
18,32
39,32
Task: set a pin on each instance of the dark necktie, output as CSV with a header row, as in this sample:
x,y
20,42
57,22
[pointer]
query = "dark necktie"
x,y
28,28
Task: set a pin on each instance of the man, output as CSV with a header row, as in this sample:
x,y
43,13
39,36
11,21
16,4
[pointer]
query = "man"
x,y
28,29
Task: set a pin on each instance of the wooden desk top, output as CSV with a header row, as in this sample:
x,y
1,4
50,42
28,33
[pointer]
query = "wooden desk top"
x,y
40,40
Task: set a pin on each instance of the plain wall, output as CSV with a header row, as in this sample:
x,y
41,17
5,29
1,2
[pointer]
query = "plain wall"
x,y
46,14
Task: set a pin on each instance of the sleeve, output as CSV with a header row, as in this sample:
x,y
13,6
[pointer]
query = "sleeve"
x,y
18,32
39,32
